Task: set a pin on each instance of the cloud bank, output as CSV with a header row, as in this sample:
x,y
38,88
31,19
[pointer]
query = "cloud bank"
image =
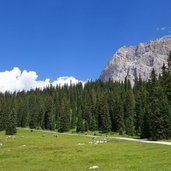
x,y
17,80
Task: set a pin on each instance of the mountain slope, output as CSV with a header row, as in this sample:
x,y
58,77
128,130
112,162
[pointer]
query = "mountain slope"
x,y
140,59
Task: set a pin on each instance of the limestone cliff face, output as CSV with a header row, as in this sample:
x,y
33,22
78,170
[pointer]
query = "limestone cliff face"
x,y
140,59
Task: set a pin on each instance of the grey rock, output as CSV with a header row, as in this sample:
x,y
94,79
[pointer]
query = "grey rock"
x,y
141,59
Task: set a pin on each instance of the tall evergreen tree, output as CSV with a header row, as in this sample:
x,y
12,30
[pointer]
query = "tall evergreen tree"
x,y
154,113
49,122
129,110
119,116
9,113
80,123
11,122
2,114
104,117
64,115
33,111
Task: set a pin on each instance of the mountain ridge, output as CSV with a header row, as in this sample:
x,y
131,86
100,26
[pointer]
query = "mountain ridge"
x,y
137,60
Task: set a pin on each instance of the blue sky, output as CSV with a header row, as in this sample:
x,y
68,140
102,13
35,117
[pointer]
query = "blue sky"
x,y
75,37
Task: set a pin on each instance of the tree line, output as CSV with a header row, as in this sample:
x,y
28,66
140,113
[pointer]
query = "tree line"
x,y
143,110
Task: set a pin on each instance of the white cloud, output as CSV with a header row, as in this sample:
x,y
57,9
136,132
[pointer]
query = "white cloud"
x,y
17,80
66,80
164,29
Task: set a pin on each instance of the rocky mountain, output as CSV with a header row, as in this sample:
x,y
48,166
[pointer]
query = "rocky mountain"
x,y
131,60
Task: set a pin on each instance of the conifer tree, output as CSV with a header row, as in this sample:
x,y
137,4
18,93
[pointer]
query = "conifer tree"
x,y
49,122
130,113
140,103
11,123
104,117
154,113
64,122
93,123
80,124
33,111
119,116
165,118
2,116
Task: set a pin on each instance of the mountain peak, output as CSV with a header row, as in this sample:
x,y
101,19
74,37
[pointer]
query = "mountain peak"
x,y
141,59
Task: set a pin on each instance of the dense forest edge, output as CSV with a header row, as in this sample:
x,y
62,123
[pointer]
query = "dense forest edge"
x,y
143,110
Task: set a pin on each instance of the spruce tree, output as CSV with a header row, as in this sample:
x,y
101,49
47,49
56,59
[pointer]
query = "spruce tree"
x,y
129,112
11,123
154,113
49,122
93,123
80,124
2,114
33,111
140,104
165,118
119,116
64,122
104,117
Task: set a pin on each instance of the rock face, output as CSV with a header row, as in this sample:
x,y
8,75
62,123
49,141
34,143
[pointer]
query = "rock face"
x,y
140,59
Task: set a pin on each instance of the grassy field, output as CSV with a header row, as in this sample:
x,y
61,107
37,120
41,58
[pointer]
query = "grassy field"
x,y
37,151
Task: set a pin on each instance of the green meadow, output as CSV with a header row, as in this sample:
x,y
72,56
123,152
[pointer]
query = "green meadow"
x,y
37,151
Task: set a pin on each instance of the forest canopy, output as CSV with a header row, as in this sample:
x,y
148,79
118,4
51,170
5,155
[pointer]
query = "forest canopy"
x,y
143,110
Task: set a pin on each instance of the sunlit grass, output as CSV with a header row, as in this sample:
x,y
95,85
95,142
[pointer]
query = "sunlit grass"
x,y
44,151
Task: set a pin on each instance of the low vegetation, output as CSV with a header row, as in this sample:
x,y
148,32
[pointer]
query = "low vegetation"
x,y
45,151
